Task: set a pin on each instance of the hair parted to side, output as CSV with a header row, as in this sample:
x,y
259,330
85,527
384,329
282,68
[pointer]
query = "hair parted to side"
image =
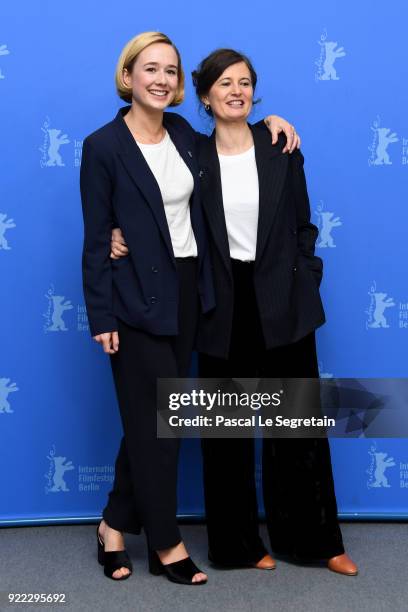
x,y
129,55
212,67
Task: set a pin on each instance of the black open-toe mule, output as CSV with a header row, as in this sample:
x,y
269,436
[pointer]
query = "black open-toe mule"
x,y
112,560
181,571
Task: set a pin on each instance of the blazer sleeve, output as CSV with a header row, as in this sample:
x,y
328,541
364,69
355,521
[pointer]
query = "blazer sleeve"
x,y
307,232
96,190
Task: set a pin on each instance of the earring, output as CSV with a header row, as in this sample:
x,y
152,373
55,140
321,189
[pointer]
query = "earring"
x,y
207,107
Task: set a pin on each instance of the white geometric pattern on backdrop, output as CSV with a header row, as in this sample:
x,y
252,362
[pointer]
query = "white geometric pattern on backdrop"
x,y
378,148
3,51
53,139
6,387
379,302
326,221
329,53
379,462
5,224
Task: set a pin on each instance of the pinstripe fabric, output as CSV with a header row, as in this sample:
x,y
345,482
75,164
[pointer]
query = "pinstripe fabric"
x,y
287,273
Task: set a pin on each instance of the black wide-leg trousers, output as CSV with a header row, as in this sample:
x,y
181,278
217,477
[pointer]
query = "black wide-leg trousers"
x,y
144,492
297,480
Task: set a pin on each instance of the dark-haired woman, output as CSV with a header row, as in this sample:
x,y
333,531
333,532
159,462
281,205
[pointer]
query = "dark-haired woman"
x,y
140,171
268,306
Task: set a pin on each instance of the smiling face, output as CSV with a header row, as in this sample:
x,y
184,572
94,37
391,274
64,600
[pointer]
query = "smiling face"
x,y
231,96
154,78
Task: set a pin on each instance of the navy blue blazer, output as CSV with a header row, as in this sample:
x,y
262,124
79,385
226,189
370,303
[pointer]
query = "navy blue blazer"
x,y
118,189
287,273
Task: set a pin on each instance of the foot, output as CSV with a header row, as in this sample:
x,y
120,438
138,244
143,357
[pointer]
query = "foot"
x,y
113,541
266,563
342,564
177,553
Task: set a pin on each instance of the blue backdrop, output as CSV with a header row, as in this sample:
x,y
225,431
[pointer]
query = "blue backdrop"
x,y
334,70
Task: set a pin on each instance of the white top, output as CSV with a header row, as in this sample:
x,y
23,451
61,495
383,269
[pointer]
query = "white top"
x,y
240,194
176,186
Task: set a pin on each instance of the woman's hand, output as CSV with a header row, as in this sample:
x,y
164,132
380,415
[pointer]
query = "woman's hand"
x,y
275,125
118,244
109,341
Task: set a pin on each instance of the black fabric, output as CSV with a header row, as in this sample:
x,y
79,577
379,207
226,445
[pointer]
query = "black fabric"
x,y
287,273
118,189
181,571
298,487
116,559
145,486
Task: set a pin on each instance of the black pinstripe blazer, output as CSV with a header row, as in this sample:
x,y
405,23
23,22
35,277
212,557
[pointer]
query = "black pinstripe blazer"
x,y
287,273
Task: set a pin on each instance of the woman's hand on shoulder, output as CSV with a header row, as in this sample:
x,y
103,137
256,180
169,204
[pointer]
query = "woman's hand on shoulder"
x,y
275,125
109,341
118,244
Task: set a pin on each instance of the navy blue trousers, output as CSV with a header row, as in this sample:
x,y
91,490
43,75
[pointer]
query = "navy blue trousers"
x,y
144,492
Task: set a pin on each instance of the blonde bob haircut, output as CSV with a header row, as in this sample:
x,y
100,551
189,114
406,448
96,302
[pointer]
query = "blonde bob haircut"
x,y
129,55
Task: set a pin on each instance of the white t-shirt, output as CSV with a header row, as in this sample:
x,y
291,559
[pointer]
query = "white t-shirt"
x,y
176,186
240,194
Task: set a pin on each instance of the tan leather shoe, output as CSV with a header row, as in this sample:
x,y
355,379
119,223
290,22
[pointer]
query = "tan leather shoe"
x,y
266,563
342,564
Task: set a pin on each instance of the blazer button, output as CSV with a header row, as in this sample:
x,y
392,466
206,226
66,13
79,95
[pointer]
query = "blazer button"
x,y
154,269
153,300
294,268
294,231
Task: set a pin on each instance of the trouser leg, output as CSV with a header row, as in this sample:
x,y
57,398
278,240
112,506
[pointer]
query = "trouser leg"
x,y
229,463
121,503
298,486
230,501
145,488
151,472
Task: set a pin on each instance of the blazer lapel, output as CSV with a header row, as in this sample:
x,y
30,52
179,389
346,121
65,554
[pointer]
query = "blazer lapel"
x,y
272,167
139,170
211,190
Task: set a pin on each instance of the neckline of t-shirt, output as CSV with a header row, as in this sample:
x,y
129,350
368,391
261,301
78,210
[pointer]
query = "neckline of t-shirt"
x,y
236,156
155,145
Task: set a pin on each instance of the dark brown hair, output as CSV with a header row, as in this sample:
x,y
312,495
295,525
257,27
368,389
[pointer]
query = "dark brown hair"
x,y
212,67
